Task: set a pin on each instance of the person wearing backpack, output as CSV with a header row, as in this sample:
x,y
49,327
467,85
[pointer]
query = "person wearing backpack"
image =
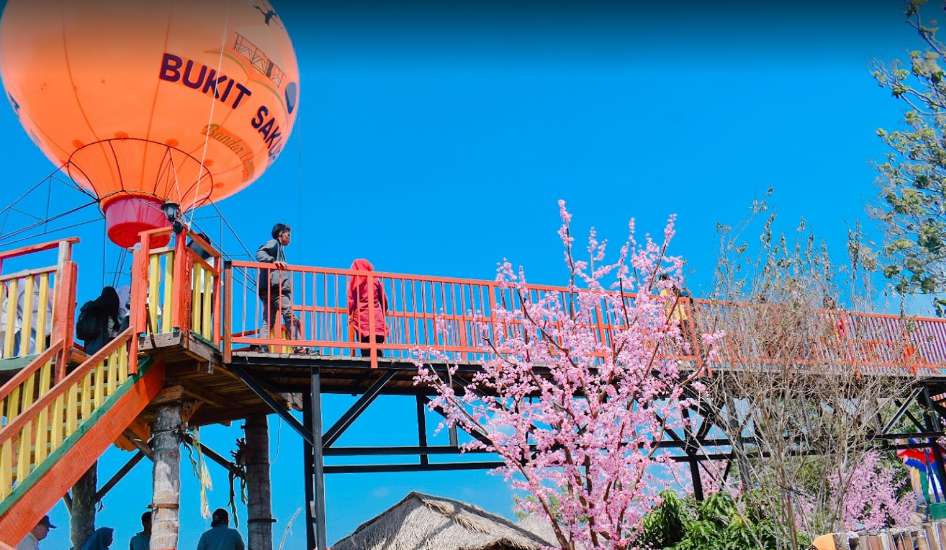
x,y
98,321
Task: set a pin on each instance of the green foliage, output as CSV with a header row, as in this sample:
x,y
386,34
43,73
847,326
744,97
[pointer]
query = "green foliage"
x,y
913,176
717,523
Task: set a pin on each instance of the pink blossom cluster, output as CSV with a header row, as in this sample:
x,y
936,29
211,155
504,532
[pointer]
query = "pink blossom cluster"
x,y
575,412
869,499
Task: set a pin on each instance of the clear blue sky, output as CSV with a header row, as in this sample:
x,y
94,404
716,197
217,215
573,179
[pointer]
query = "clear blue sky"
x,y
438,141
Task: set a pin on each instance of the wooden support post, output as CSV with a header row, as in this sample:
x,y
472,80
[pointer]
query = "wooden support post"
x,y
259,505
82,511
166,477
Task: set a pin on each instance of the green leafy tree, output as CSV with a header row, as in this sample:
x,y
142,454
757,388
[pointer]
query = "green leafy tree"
x,y
717,523
913,176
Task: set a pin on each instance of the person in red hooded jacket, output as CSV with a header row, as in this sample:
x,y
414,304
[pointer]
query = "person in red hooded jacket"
x,y
366,311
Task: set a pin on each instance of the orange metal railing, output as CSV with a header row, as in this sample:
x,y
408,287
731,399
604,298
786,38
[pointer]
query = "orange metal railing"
x,y
453,315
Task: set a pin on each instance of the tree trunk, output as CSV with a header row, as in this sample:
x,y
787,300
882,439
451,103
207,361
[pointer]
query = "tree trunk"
x,y
166,477
82,514
258,507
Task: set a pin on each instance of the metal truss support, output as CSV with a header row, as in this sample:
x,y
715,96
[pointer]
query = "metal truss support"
x,y
900,411
422,428
122,472
691,448
216,457
312,459
356,409
933,424
267,396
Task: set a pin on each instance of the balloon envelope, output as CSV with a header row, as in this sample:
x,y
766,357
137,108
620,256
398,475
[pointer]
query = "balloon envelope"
x,y
148,102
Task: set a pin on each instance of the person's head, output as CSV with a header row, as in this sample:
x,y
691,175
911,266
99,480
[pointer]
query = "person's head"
x,y
362,264
282,233
109,301
100,539
220,518
107,535
146,522
359,281
42,528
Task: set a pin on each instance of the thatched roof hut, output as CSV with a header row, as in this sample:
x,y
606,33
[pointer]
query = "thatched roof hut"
x,y
424,522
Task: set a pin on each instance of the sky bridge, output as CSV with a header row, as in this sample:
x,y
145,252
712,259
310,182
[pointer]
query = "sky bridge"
x,y
199,350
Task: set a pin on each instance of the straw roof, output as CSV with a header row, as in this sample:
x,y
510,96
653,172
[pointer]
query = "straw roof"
x,y
424,522
538,526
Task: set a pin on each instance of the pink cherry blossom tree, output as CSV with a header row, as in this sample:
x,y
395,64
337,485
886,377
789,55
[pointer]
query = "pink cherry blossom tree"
x,y
868,494
580,388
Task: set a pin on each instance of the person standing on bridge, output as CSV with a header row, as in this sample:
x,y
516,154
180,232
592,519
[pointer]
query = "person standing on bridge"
x,y
275,285
367,309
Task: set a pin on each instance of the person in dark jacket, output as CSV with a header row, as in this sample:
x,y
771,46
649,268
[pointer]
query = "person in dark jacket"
x,y
367,309
219,536
99,321
100,539
275,285
142,539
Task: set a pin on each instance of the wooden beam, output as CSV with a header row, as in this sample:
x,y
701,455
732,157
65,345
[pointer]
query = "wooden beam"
x,y
206,396
140,445
169,394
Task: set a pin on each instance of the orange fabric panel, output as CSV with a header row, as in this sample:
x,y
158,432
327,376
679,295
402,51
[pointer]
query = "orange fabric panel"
x,y
181,100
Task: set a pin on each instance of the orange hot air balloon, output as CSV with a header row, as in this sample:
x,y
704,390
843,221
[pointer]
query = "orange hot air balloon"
x,y
146,102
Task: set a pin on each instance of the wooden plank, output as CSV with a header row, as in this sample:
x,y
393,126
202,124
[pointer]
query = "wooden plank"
x,y
24,448
6,468
72,409
29,389
168,395
13,404
43,306
196,288
26,323
207,396
166,317
153,289
42,435
123,366
9,322
98,384
55,436
207,327
112,374
45,377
